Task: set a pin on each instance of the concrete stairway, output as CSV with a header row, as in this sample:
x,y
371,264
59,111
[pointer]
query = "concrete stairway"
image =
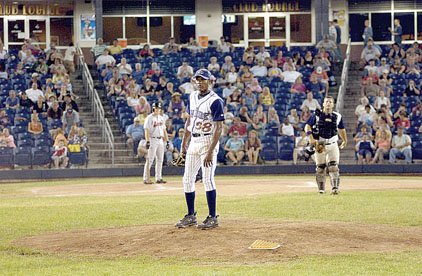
x,y
98,154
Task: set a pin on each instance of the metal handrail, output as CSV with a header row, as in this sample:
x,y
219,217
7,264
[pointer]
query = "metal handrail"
x,y
344,79
96,106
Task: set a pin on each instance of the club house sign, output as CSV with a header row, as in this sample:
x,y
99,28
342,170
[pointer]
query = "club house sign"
x,y
270,7
28,9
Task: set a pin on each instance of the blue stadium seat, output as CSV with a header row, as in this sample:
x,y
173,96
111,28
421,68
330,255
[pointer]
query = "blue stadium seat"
x,y
78,158
41,156
6,157
23,156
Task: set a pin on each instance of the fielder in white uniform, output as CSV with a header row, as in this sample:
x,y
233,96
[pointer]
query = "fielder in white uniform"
x,y
203,129
323,129
156,137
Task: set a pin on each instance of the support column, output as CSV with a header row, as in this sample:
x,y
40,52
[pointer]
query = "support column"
x,y
208,19
99,18
321,18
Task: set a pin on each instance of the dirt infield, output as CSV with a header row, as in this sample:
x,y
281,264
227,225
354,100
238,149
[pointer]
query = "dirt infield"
x,y
229,243
226,187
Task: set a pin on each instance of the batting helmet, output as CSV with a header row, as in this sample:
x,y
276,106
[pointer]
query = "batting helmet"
x,y
157,105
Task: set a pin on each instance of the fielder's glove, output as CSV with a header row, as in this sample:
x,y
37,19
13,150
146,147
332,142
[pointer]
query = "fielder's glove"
x,y
179,161
148,145
320,148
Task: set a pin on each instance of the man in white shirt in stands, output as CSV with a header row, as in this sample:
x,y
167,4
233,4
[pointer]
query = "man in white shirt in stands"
x,y
187,88
33,93
185,71
401,146
259,70
290,75
286,128
69,57
98,49
311,103
262,54
224,46
104,58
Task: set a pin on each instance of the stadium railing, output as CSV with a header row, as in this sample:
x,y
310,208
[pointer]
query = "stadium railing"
x,y
343,80
96,106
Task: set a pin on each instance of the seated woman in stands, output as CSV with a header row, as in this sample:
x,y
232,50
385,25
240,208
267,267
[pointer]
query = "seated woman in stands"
x,y
58,78
274,71
148,88
298,86
143,107
56,66
280,59
59,157
304,116
213,66
273,119
380,100
262,117
132,98
412,89
19,69
25,102
403,120
176,106
246,75
266,99
249,52
249,99
235,99
244,115
255,86
253,147
397,67
7,140
396,51
146,52
364,148
383,145
308,60
294,119
35,126
232,75
59,137
40,106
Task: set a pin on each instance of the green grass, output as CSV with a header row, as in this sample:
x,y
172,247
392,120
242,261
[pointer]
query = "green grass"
x,y
22,214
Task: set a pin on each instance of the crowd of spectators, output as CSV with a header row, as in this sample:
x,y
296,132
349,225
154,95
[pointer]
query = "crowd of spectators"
x,y
38,102
389,113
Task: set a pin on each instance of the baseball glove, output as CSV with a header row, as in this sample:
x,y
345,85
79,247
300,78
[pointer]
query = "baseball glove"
x,y
320,148
179,161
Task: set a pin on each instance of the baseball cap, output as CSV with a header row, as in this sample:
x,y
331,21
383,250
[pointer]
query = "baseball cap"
x,y
203,73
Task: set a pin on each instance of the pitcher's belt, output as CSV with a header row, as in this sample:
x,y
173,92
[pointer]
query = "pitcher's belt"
x,y
199,134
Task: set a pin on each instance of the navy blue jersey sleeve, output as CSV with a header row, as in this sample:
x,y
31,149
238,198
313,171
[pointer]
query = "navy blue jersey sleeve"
x,y
217,111
341,124
311,121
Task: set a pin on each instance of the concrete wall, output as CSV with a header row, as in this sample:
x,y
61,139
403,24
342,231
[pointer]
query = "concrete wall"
x,y
208,19
81,8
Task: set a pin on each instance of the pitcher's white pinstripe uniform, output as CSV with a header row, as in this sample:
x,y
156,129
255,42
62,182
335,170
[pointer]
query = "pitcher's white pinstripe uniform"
x,y
204,112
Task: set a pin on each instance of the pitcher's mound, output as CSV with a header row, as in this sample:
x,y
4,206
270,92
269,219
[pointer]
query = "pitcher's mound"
x,y
230,241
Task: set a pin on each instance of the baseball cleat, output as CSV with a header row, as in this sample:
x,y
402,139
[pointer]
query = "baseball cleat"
x,y
334,191
188,220
209,223
321,192
148,182
160,181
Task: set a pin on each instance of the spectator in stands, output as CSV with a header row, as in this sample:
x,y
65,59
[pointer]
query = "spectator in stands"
x,y
364,130
294,119
35,126
249,99
232,75
124,67
401,146
289,63
257,125
301,142
54,112
402,108
138,73
143,107
33,93
244,115
412,69
59,157
310,102
316,87
176,106
329,45
99,48
81,138
171,131
146,52
380,100
228,116
148,88
227,65
186,88
304,116
369,87
371,68
25,102
367,32
397,32
135,133
322,60
166,95
384,86
40,66
59,137
273,119
383,67
382,144
262,54
385,76
321,76
266,99
364,148
68,101
308,60
248,54
290,75
417,110
224,46
171,47
70,118
213,66
105,58
253,147
367,117
40,106
383,123
12,102
238,126
19,69
69,58
115,48
52,55
239,84
7,140
397,67
403,120
22,52
286,128
298,86
3,55
4,119
368,53
297,60
177,142
184,72
396,51
235,148
235,99
260,113
274,71
246,75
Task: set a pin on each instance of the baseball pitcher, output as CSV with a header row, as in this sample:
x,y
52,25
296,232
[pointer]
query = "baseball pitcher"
x,y
323,129
201,144
156,137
